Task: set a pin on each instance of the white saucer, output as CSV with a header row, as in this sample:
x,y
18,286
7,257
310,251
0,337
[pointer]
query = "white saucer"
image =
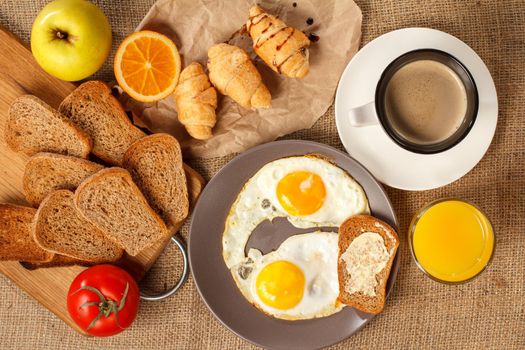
x,y
372,147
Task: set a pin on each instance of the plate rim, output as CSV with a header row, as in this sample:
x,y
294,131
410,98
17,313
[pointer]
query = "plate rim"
x,y
396,264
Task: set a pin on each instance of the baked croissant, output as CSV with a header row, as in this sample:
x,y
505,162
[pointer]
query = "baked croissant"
x,y
283,48
196,102
234,74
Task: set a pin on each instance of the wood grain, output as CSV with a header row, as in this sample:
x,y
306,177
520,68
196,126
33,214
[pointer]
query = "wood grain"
x,y
20,74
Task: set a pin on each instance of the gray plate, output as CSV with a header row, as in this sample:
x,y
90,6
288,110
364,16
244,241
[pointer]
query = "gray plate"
x,y
214,281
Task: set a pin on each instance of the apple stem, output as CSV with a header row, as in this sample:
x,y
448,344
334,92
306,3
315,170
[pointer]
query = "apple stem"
x,y
61,35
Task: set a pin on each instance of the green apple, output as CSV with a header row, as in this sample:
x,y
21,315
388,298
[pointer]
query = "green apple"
x,y
71,39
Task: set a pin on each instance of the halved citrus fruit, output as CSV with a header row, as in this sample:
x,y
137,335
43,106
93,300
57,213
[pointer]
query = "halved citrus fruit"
x,y
147,66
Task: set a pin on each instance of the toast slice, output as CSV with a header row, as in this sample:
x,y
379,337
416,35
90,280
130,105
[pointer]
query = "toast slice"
x,y
111,200
59,227
16,239
155,164
57,261
367,247
33,126
97,112
48,172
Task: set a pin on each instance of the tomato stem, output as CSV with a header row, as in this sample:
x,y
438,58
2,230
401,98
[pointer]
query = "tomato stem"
x,y
105,305
123,300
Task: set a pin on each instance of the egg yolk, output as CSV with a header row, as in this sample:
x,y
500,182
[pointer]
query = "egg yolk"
x,y
301,193
280,285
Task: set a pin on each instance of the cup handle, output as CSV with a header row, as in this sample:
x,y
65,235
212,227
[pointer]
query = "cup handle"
x,y
364,115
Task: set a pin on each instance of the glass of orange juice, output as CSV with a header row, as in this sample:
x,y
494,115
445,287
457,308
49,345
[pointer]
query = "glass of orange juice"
x,y
451,240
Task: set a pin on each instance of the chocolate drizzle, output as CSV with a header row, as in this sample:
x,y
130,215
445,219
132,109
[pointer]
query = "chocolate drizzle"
x,y
313,37
278,47
260,17
278,66
266,29
259,44
252,22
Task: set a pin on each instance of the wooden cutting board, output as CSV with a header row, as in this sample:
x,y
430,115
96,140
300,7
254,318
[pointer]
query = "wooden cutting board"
x,y
20,74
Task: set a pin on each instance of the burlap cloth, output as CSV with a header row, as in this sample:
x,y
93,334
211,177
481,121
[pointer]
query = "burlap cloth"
x,y
488,312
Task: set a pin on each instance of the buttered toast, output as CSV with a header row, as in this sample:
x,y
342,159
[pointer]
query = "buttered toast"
x,y
367,247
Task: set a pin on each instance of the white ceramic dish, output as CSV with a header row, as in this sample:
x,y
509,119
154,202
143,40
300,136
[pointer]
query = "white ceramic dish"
x,y
372,147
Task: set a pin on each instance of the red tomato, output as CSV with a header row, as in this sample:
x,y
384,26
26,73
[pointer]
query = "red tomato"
x,y
103,300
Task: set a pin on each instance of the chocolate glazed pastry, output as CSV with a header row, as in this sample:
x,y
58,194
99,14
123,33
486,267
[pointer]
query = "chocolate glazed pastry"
x,y
284,49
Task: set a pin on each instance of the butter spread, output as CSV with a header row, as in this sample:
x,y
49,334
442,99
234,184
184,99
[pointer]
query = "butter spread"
x,y
364,258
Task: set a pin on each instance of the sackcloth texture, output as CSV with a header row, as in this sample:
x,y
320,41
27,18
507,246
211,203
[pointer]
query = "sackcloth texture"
x,y
487,313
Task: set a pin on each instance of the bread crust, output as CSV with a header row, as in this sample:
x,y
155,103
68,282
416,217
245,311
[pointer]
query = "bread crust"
x,y
113,136
57,261
42,224
348,231
36,171
16,238
31,142
93,180
173,213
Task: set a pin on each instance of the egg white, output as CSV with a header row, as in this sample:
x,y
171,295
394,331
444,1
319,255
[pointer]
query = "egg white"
x,y
344,196
257,201
316,255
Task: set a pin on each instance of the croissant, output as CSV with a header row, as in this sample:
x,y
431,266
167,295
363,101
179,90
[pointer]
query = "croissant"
x,y
233,74
284,49
196,102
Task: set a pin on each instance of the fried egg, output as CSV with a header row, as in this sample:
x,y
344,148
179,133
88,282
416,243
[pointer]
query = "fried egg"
x,y
296,281
308,190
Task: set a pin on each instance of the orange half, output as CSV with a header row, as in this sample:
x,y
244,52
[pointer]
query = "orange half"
x,y
147,66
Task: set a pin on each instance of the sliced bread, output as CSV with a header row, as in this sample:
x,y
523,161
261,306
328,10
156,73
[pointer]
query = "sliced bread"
x,y
61,229
367,247
155,164
57,261
33,126
16,239
111,200
97,112
48,172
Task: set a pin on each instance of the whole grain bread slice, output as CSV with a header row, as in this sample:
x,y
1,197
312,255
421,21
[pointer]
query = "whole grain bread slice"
x,y
33,126
93,108
48,172
349,230
16,239
111,200
61,229
155,164
57,261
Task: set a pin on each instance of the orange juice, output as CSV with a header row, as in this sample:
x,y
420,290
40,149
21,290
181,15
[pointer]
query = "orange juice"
x,y
451,240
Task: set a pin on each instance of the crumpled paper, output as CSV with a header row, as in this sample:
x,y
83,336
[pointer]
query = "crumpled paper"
x,y
196,25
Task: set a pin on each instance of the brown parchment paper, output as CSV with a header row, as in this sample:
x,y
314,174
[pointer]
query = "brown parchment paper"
x,y
195,25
